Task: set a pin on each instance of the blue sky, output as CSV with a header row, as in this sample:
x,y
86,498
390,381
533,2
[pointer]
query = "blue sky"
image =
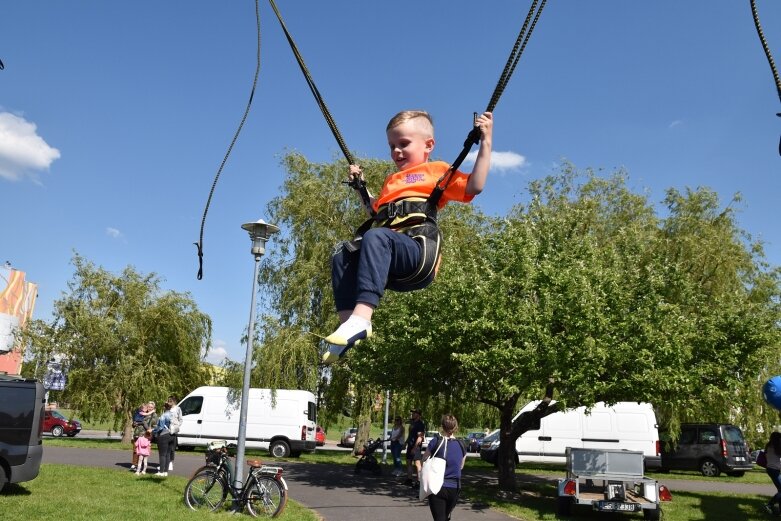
x,y
115,116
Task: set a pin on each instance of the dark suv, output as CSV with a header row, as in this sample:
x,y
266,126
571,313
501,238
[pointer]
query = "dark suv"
x,y
711,448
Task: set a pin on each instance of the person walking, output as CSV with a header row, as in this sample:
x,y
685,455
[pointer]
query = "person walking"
x,y
453,452
396,437
773,469
415,436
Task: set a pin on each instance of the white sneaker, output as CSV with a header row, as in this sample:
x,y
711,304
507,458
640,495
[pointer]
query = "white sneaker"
x,y
143,472
351,331
162,474
138,473
335,353
171,466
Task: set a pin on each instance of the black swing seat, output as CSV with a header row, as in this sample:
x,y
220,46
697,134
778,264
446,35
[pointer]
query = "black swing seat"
x,y
415,217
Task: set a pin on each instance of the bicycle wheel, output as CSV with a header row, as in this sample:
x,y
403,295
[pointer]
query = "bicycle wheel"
x,y
265,497
205,491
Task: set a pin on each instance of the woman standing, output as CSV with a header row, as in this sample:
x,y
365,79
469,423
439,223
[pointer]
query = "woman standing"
x,y
163,434
454,453
396,437
773,454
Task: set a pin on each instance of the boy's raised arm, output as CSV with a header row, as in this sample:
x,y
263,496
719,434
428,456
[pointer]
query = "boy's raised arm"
x,y
476,181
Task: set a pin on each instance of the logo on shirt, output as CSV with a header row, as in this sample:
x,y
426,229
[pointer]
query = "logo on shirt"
x,y
413,178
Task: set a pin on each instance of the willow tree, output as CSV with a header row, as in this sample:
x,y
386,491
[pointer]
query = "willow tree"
x,y
124,341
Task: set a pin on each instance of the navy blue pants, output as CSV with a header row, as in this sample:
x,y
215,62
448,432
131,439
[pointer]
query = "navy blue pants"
x,y
362,276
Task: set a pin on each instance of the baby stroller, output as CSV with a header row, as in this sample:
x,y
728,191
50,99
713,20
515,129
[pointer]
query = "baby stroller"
x,y
368,461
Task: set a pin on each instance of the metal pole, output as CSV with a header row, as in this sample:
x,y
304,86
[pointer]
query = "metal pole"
x,y
245,390
385,428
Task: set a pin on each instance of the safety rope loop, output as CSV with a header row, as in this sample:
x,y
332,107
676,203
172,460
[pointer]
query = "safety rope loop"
x,y
199,244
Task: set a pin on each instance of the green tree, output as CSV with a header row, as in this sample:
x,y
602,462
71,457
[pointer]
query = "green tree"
x,y
579,285
124,340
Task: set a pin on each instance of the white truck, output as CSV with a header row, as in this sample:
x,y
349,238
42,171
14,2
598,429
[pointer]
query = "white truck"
x,y
609,480
283,423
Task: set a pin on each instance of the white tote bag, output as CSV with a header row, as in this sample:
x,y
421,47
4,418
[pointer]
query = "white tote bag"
x,y
432,475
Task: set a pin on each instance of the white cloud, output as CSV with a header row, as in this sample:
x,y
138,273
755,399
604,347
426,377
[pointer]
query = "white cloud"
x,y
22,150
113,233
675,123
217,353
501,162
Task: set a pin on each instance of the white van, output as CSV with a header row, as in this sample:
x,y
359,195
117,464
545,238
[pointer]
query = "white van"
x,y
284,424
624,426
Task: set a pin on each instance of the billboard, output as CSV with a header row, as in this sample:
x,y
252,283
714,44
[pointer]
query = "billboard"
x,y
17,301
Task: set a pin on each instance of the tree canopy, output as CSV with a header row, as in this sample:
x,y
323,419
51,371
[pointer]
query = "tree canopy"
x,y
124,342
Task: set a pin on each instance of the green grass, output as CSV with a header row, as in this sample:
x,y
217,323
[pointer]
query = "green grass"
x,y
68,493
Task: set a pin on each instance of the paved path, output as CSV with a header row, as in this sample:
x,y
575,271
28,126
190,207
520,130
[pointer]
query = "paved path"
x,y
333,491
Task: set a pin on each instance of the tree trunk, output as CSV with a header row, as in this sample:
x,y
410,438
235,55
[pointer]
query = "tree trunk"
x,y
510,431
127,430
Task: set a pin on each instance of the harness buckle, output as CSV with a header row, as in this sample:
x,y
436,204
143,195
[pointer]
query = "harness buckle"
x,y
393,210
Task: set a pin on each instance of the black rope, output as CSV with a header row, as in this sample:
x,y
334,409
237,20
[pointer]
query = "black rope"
x,y
309,81
473,137
199,244
771,62
356,183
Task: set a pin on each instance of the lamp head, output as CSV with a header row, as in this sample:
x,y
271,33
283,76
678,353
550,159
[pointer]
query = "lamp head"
x,y
259,233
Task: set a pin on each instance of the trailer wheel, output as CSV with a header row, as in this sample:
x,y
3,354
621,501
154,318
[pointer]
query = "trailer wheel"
x,y
563,506
653,515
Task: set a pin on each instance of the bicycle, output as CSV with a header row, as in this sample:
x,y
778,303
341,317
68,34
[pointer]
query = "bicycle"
x,y
264,492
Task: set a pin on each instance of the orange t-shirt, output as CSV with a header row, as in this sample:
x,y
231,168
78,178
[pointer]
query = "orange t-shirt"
x,y
419,181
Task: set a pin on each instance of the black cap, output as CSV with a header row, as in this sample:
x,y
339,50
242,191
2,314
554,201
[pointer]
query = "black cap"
x,y
416,411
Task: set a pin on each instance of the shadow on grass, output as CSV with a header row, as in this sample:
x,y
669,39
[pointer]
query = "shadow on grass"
x,y
14,489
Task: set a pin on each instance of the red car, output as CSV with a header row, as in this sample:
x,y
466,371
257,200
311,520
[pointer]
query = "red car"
x,y
320,436
57,424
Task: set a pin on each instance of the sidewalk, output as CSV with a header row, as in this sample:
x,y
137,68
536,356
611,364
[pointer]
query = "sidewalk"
x,y
333,491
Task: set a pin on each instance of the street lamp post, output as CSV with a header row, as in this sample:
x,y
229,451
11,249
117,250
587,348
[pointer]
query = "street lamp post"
x,y
259,233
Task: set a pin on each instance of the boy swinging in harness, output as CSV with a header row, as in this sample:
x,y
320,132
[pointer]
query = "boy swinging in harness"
x,y
402,252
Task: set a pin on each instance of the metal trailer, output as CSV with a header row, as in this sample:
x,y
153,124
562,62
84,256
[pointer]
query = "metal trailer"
x,y
608,480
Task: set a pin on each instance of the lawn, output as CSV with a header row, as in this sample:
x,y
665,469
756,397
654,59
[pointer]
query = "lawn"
x,y
66,493
536,502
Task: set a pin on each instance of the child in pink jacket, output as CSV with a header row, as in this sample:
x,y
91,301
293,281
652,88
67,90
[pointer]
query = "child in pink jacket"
x,y
144,449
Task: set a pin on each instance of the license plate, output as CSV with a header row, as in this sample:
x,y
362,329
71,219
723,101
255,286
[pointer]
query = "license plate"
x,y
615,506
740,458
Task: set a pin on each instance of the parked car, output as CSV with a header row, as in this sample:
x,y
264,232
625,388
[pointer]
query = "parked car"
x,y
57,424
319,436
489,448
348,437
711,448
473,441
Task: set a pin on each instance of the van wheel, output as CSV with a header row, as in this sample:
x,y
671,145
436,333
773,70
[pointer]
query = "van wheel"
x,y
563,506
57,430
279,449
653,515
709,468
